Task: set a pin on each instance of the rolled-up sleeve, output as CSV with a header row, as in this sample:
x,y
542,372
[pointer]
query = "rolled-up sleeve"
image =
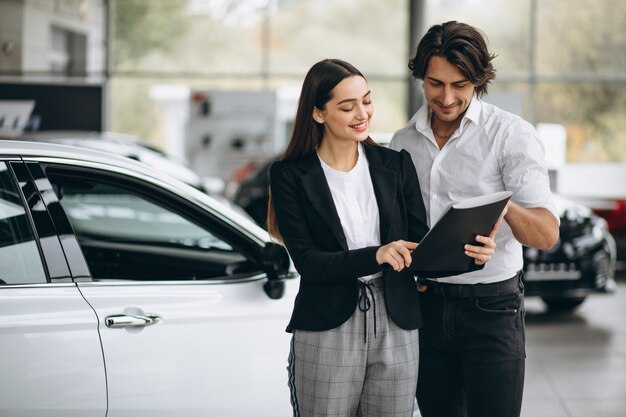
x,y
524,169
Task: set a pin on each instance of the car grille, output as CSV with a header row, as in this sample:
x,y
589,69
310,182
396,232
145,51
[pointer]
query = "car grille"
x,y
552,272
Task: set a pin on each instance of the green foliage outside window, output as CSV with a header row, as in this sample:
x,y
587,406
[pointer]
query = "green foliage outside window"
x,y
564,58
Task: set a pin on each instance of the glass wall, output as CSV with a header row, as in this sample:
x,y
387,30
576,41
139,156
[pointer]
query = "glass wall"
x,y
252,45
581,55
563,58
560,59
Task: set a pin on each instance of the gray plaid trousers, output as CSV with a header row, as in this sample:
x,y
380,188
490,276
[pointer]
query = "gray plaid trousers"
x,y
365,367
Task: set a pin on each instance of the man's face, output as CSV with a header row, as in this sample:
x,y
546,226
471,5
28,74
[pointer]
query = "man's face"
x,y
448,92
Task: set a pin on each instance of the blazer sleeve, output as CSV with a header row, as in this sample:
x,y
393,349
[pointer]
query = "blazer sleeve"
x,y
416,211
314,264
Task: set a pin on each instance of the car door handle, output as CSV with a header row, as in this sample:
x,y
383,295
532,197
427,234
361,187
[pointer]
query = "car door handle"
x,y
119,321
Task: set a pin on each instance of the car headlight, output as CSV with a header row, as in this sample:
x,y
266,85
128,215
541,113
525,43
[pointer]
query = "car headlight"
x,y
593,237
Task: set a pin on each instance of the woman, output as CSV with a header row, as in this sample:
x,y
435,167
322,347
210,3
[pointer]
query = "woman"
x,y
344,206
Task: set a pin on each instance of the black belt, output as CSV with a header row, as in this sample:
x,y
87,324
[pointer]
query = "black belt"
x,y
476,290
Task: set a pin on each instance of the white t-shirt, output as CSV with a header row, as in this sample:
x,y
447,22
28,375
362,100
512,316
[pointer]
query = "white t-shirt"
x,y
354,198
492,150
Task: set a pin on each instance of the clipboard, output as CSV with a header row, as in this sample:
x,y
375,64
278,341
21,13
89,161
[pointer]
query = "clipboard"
x,y
441,252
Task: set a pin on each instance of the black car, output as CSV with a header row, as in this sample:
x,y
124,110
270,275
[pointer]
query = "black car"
x,y
582,262
251,190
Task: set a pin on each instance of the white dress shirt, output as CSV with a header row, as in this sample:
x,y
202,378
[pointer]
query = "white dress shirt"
x,y
492,150
354,198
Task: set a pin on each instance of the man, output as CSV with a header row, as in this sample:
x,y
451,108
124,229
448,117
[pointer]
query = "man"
x,y
472,349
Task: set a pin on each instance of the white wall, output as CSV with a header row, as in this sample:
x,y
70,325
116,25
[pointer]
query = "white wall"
x,y
592,181
27,24
11,22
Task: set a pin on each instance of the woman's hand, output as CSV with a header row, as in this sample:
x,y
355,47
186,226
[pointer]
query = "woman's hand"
x,y
481,254
397,254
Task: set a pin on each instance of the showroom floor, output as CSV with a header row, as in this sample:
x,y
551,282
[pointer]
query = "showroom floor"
x,y
576,364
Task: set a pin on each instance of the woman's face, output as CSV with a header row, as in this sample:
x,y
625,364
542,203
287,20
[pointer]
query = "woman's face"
x,y
347,114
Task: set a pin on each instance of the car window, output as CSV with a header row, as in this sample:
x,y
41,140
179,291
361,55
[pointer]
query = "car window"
x,y
19,254
124,234
110,213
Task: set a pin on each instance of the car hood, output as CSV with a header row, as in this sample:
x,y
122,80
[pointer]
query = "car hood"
x,y
569,209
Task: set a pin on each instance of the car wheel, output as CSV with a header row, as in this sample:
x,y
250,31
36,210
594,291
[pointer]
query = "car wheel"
x,y
563,304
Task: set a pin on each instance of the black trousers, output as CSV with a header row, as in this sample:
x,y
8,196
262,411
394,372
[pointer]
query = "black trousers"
x,y
472,354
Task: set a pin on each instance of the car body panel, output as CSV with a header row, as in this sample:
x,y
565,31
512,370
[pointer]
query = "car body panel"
x,y
207,352
52,363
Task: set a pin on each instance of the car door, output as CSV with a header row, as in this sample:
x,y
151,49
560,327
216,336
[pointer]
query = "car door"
x,y
50,355
186,326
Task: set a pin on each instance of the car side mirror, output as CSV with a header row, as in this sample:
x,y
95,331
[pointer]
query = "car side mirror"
x,y
275,260
274,289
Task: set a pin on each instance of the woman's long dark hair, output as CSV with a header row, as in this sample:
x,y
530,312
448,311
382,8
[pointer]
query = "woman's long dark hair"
x,y
317,88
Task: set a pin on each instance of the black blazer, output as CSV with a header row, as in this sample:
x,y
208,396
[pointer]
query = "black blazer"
x,y
308,221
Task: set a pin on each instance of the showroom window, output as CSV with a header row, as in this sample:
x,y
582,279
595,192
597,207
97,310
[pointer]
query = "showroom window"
x,y
559,61
252,45
68,52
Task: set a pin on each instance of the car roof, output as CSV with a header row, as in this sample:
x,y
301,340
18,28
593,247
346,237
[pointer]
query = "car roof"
x,y
45,135
36,149
26,150
124,141
44,149
121,144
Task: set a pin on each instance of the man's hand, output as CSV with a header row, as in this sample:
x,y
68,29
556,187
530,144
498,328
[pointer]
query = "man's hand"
x,y
500,219
481,254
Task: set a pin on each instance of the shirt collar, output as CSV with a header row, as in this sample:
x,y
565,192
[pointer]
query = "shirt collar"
x,y
361,163
421,118
473,111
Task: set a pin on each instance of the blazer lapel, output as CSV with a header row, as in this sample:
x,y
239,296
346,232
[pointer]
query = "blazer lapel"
x,y
384,181
317,190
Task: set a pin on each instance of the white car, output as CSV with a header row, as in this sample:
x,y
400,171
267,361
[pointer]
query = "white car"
x,y
125,292
131,147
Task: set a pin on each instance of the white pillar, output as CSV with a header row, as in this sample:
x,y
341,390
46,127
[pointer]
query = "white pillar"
x,y
174,99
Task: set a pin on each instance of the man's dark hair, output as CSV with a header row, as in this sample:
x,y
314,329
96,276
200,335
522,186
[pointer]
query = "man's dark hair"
x,y
463,46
